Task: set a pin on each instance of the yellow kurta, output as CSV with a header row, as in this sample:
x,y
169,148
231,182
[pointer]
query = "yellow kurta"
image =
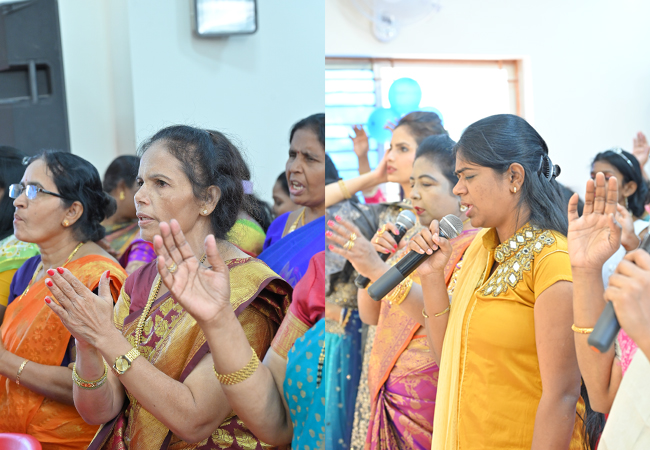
x,y
499,384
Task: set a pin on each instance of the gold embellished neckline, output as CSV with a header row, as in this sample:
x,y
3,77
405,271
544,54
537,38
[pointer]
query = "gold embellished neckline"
x,y
519,241
515,257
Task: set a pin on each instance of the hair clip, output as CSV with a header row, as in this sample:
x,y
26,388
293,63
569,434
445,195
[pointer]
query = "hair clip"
x,y
619,152
547,168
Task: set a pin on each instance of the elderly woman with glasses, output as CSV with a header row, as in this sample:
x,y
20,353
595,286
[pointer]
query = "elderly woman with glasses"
x,y
59,206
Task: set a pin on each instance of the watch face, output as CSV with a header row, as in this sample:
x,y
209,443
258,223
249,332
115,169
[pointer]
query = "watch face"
x,y
122,364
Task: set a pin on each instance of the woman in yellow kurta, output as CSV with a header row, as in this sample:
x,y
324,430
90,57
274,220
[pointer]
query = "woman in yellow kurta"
x,y
509,378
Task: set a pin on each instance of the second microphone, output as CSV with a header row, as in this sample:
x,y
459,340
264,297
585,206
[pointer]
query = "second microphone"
x,y
404,222
450,227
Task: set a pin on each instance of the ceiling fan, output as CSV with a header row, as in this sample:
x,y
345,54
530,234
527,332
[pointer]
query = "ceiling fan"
x,y
388,16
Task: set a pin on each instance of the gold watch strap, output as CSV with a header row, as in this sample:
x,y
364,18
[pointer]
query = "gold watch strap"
x,y
132,354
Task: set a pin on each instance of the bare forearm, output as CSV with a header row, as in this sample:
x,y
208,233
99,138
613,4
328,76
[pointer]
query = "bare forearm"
x,y
597,368
554,422
436,300
364,164
257,400
99,405
413,304
53,382
168,400
333,194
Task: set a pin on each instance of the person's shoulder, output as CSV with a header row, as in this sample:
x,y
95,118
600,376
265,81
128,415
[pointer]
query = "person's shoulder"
x,y
550,241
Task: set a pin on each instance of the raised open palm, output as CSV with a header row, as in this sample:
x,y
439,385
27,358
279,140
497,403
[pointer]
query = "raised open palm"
x,y
594,237
203,292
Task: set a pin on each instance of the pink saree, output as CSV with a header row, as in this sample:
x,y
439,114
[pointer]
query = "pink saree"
x,y
403,377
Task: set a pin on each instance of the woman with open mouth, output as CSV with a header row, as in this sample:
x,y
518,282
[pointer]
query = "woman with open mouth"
x,y
509,376
296,236
402,374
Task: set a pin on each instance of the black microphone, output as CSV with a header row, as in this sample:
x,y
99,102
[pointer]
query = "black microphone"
x,y
404,222
607,327
450,227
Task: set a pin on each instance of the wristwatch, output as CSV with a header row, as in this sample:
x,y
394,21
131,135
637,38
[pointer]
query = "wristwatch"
x,y
123,363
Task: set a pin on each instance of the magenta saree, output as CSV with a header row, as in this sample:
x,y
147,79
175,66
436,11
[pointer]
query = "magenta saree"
x,y
402,376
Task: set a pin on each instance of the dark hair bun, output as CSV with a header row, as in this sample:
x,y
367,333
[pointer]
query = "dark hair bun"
x,y
78,180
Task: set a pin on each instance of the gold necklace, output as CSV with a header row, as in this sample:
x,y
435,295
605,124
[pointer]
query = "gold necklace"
x,y
300,217
155,288
40,266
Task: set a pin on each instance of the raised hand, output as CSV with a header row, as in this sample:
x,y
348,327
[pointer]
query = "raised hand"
x,y
361,253
426,241
629,239
88,317
641,148
360,141
594,237
628,291
203,292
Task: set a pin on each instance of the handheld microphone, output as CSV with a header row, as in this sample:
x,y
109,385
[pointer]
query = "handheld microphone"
x,y
450,227
404,222
607,327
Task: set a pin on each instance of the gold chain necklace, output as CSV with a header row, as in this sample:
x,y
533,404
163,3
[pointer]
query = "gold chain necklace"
x,y
301,217
155,288
40,266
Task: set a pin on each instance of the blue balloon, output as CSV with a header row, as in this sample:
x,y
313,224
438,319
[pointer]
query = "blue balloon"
x,y
404,95
377,123
434,110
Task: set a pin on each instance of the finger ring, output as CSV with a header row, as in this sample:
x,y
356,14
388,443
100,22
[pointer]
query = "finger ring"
x,y
348,245
353,236
377,240
382,230
172,268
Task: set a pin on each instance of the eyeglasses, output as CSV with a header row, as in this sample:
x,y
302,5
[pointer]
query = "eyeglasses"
x,y
30,190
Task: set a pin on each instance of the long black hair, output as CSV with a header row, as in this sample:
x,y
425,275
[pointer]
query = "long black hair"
x,y
11,172
78,180
629,166
504,139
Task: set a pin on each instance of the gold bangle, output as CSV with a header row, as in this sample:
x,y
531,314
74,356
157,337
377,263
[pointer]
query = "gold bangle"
x,y
400,292
20,370
424,314
241,374
344,189
86,384
581,330
443,312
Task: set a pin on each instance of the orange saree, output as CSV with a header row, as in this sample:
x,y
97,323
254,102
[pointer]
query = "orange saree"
x,y
32,331
402,375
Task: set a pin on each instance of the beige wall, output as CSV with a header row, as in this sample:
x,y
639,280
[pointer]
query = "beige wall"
x,y
134,66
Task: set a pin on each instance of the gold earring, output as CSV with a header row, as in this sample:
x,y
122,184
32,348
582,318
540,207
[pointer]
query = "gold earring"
x,y
515,189
66,223
122,195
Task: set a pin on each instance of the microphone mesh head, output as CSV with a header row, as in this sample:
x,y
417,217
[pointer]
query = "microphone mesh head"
x,y
451,226
406,219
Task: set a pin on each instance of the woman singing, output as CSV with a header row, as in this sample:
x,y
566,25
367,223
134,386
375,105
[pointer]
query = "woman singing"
x,y
509,377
